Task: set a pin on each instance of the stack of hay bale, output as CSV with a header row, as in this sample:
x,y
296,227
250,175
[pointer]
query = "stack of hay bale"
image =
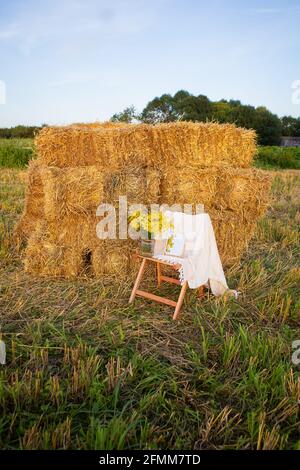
x,y
80,166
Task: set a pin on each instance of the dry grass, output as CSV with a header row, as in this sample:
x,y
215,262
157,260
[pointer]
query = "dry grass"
x,y
85,370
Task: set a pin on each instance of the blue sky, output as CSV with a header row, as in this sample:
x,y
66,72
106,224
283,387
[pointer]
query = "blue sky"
x,y
83,60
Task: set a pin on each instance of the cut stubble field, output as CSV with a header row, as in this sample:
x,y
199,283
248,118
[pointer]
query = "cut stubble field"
x,y
87,371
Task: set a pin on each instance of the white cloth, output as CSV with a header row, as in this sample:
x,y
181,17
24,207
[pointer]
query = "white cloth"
x,y
200,263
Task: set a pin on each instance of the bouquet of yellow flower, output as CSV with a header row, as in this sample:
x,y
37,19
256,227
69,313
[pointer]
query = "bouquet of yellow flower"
x,y
151,226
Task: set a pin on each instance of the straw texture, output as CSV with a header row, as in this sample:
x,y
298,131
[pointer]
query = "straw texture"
x,y
34,202
176,144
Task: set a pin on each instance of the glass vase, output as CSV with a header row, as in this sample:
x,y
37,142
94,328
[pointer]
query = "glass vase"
x,y
147,247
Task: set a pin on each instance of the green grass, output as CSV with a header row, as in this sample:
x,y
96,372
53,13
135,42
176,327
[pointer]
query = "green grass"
x,y
278,157
15,153
87,371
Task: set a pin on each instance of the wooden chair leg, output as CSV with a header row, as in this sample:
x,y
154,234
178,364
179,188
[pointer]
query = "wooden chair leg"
x,y
180,301
201,292
158,272
138,280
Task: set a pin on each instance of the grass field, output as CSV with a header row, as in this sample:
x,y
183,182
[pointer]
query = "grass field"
x,y
85,370
15,153
278,157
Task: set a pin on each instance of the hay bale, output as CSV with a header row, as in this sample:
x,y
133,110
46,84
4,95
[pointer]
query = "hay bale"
x,y
233,233
60,250
175,144
244,191
217,188
234,198
45,255
98,125
181,186
72,191
34,202
113,258
112,147
184,144
78,191
140,184
82,165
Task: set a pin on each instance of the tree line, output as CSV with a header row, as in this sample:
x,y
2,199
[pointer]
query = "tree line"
x,y
187,107
19,132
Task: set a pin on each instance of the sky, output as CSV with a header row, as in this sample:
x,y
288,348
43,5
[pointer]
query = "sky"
x,y
66,61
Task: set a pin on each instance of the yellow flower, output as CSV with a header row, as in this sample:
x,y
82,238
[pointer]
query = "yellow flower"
x,y
153,223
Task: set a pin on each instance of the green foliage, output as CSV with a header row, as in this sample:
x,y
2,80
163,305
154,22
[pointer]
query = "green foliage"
x,y
278,157
15,153
267,126
290,126
20,132
162,109
128,115
185,106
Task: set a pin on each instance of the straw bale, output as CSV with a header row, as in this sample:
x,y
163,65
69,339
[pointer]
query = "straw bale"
x,y
219,188
60,250
244,190
111,146
233,233
181,186
77,231
71,191
234,198
98,125
140,184
186,144
46,255
113,258
173,144
82,165
34,202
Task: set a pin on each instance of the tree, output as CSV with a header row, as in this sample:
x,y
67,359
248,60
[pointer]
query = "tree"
x,y
19,132
161,109
185,106
181,106
243,116
290,126
195,108
221,111
127,115
268,127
